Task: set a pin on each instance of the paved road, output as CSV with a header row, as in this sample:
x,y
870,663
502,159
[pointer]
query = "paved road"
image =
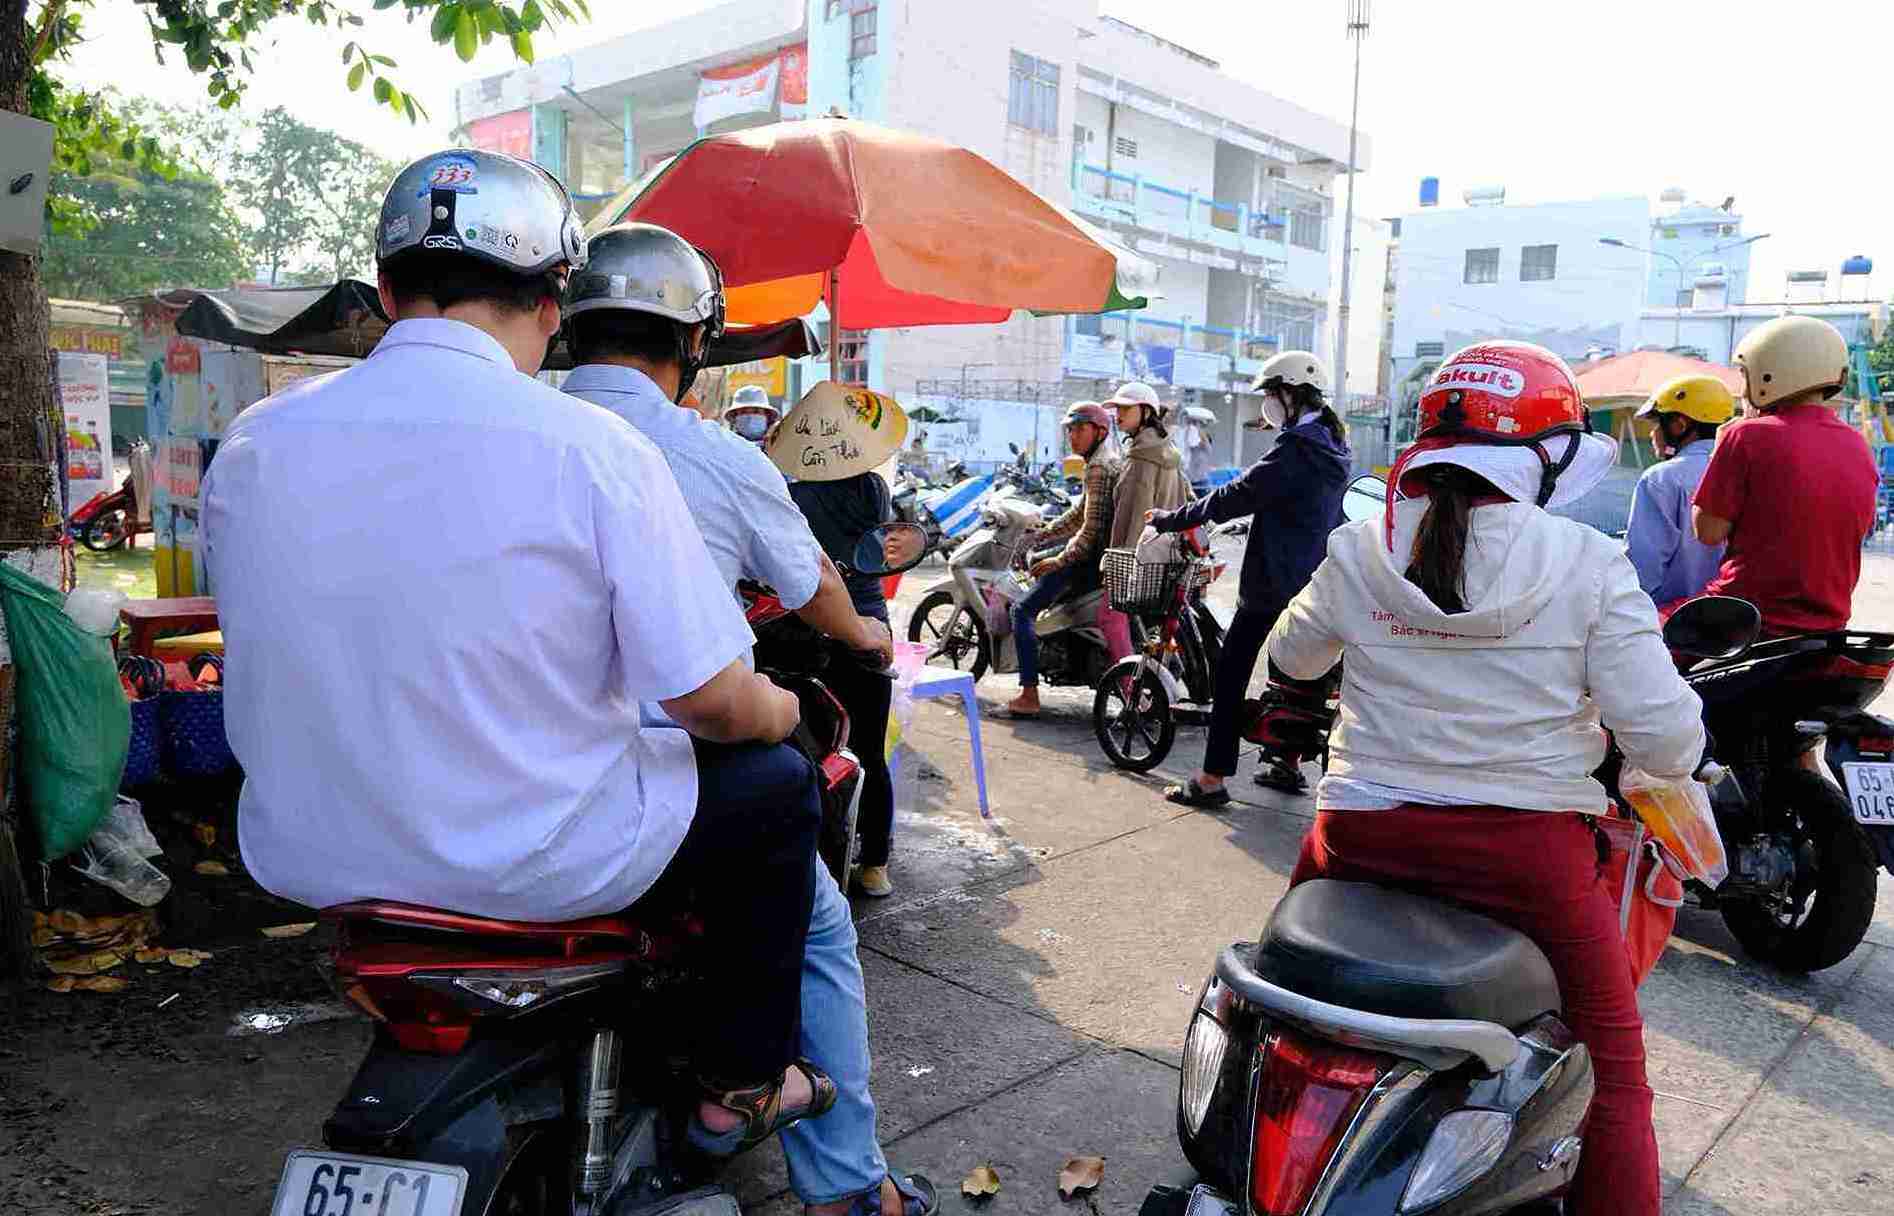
x,y
1029,986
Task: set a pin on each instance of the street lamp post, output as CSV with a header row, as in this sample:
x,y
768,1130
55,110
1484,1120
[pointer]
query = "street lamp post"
x,y
1677,324
1357,31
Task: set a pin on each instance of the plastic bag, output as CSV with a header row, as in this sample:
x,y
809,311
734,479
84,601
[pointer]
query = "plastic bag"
x,y
118,854
74,722
95,610
1678,814
1645,889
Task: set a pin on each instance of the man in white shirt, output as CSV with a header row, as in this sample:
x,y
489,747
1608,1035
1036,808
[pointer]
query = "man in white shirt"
x,y
447,587
639,319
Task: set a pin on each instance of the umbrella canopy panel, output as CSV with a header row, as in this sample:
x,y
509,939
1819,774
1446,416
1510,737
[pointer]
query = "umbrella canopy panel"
x,y
915,231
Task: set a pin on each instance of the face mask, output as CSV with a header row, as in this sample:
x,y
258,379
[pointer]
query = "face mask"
x,y
751,426
1274,412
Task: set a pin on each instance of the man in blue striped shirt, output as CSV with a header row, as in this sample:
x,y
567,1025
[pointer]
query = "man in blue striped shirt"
x,y
1672,564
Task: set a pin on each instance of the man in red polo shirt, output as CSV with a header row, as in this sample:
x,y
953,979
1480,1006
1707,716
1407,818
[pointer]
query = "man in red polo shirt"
x,y
1792,489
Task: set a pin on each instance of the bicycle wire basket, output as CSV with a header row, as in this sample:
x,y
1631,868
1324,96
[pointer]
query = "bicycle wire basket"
x,y
1146,587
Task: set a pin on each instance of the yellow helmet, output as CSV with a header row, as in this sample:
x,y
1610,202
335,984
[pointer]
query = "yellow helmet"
x,y
1792,355
1698,397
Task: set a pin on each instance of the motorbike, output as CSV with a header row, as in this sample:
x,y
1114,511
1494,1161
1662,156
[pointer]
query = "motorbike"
x,y
955,618
108,519
1807,814
524,1069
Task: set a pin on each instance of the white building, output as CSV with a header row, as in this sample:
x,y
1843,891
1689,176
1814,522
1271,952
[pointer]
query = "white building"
x,y
1229,189
1535,272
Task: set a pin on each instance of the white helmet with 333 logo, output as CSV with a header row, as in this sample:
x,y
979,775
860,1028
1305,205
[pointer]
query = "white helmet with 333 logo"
x,y
487,205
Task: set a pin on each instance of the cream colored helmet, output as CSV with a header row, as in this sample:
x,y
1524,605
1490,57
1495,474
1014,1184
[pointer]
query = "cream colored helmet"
x,y
1792,355
1290,368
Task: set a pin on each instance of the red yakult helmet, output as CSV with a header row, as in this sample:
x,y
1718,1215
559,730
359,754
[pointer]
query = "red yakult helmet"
x,y
1503,393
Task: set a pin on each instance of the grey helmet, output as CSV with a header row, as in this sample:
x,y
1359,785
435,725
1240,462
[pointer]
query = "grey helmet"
x,y
500,208
647,269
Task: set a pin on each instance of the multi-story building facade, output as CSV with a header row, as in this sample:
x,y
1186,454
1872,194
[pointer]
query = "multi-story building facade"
x,y
1231,191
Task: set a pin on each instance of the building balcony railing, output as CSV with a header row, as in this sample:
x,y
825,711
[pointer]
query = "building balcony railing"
x,y
1299,220
1246,349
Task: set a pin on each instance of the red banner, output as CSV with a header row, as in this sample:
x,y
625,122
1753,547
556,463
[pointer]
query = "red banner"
x,y
511,133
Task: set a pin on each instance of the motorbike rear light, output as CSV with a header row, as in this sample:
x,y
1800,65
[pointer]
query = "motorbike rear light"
x,y
1204,1046
1465,1145
1842,667
1307,1093
415,1017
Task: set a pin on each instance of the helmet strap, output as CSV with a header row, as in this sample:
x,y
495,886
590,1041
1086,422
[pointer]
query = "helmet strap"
x,y
1548,479
688,364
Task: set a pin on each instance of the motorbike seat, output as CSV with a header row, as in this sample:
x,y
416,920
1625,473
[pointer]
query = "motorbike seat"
x,y
1384,951
370,928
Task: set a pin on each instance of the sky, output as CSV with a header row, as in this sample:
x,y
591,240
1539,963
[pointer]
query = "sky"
x,y
1551,101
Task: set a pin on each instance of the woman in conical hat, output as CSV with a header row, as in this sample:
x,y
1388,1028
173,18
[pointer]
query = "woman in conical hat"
x,y
829,447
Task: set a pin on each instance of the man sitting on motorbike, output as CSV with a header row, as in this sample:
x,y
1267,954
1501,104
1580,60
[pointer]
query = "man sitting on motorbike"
x,y
1672,564
1087,523
640,318
1791,491
1481,639
454,720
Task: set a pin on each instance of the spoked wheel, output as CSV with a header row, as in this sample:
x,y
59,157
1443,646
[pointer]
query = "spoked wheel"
x,y
1818,917
106,530
1131,715
954,634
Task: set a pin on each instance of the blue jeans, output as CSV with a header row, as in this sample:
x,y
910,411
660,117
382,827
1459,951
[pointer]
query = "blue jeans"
x,y
1025,612
836,1156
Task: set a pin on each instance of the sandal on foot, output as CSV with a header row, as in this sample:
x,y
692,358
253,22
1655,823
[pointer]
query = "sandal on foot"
x,y
762,1109
918,1197
1192,794
1281,777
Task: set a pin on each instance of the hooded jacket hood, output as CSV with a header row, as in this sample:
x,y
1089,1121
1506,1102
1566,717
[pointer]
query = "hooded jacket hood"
x,y
1149,446
1511,572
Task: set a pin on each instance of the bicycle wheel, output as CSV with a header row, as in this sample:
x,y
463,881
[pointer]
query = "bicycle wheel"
x,y
1132,718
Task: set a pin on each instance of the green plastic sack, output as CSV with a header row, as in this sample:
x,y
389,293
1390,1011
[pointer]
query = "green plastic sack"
x,y
75,723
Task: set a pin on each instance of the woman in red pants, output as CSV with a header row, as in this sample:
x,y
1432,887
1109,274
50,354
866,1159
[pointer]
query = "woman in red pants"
x,y
1482,639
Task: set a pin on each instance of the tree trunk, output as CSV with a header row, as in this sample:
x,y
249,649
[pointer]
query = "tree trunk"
x,y
26,481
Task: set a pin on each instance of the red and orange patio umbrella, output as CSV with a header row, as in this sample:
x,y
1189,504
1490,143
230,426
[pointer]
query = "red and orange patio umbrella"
x,y
891,228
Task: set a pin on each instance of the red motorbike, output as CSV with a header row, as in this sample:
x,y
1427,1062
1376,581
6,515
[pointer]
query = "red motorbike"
x,y
108,519
523,1069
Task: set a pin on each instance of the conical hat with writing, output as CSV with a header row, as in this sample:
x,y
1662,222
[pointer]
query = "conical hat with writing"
x,y
837,431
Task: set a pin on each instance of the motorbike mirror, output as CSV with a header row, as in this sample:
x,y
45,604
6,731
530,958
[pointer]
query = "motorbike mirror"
x,y
1713,627
1365,498
890,549
1013,448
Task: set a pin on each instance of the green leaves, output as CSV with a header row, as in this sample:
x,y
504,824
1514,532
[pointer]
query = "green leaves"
x,y
356,74
467,35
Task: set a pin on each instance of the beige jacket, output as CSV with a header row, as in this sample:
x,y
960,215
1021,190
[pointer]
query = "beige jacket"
x,y
1152,480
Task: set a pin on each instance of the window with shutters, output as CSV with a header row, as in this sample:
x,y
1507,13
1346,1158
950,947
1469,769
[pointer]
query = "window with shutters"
x,y
1482,265
1032,98
1538,263
861,33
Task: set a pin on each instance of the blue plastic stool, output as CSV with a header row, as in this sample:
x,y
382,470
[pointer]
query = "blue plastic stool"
x,y
959,684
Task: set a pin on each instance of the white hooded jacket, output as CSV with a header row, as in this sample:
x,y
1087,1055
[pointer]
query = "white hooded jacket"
x,y
1498,705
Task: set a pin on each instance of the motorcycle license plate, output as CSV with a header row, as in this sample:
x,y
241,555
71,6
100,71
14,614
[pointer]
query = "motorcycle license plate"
x,y
321,1183
1870,792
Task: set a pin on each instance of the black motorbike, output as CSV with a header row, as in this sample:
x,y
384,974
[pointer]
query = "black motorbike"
x,y
527,1069
1807,816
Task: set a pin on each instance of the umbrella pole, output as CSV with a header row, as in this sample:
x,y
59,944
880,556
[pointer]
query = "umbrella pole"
x,y
835,329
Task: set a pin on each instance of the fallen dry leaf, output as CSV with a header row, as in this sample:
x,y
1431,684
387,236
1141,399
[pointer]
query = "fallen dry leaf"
x,y
152,954
1081,1174
102,983
61,983
215,869
187,958
981,1182
206,834
86,964
289,930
